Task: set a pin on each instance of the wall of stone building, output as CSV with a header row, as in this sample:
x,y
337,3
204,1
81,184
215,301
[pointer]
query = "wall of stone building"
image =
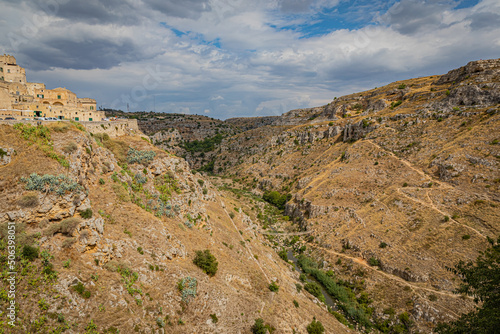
x,y
114,128
126,127
7,59
13,73
33,86
5,98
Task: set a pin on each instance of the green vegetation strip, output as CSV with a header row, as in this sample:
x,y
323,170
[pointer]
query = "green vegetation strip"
x,y
346,299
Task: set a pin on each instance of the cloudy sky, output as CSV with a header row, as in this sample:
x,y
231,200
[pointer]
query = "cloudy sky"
x,y
231,58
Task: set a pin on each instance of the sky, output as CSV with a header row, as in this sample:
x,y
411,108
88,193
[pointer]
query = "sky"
x,y
240,58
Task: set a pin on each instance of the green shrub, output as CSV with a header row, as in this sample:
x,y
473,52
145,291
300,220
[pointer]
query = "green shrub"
x,y
60,184
86,214
29,252
28,201
80,289
283,255
315,327
206,261
382,245
405,319
340,318
214,318
295,303
260,328
298,287
160,322
314,289
373,262
396,104
276,199
274,287
465,237
101,181
187,287
402,86
206,145
142,157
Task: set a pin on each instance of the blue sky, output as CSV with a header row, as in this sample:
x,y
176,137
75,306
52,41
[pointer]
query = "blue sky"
x,y
233,58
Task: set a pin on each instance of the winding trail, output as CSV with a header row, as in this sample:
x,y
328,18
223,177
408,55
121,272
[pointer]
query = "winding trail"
x,y
363,262
285,234
431,205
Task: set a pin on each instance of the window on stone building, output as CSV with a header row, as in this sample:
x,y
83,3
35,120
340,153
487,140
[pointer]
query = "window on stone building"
x,y
8,70
59,97
91,108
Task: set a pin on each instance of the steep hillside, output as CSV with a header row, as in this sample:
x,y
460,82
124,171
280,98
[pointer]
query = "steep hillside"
x,y
399,182
106,234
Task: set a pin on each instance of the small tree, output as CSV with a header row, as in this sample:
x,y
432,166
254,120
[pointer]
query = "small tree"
x,y
481,280
274,287
258,327
206,261
29,252
315,327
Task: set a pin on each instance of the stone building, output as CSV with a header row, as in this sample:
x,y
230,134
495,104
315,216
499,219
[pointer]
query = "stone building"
x,y
19,98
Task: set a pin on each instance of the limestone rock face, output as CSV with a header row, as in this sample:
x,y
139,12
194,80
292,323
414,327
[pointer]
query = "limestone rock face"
x,y
483,69
353,132
6,155
376,105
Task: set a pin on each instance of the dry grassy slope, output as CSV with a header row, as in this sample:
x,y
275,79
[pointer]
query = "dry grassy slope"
x,y
237,294
420,177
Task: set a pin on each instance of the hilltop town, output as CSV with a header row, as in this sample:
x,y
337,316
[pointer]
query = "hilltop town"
x,y
22,99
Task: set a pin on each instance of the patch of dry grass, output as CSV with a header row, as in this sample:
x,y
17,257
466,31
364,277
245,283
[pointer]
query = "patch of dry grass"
x,y
28,201
70,148
67,227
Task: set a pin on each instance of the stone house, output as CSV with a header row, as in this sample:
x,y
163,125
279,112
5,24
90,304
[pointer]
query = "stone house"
x,y
20,98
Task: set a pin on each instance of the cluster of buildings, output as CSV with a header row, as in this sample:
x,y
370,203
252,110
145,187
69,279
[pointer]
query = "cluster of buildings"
x,y
22,99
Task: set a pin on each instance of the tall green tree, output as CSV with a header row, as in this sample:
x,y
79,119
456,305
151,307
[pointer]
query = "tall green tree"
x,y
482,281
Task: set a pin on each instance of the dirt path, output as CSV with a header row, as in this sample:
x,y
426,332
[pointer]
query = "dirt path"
x,y
431,205
410,166
285,234
363,262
